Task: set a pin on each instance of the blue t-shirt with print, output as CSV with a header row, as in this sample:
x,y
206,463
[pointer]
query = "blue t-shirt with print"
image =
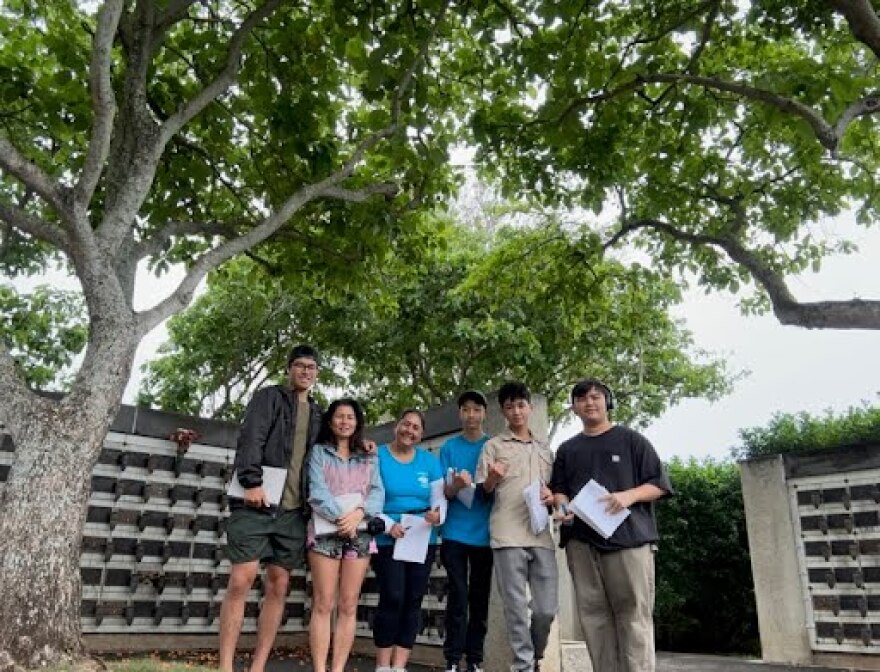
x,y
407,486
465,525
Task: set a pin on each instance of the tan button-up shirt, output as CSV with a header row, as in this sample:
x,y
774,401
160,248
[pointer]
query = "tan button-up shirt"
x,y
525,461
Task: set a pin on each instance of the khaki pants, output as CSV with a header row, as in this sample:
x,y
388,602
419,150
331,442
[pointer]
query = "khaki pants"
x,y
615,605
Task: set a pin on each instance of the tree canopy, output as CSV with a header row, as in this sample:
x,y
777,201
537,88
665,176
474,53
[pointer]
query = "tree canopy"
x,y
45,329
723,132
471,311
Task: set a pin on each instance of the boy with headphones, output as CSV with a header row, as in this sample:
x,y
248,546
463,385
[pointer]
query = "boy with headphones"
x,y
614,577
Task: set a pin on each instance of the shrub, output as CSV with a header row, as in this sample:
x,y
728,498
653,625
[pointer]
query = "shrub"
x,y
705,595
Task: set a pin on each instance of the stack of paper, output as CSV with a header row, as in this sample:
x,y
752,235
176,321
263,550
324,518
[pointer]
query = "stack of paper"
x,y
347,502
588,508
538,515
413,545
273,484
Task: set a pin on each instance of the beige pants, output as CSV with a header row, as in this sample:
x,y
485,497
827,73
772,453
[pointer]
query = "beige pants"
x,y
615,605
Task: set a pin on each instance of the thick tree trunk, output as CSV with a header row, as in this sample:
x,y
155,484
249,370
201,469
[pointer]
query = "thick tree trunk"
x,y
41,520
42,514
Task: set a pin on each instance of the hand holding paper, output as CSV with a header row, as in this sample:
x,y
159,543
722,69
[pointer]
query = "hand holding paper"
x,y
463,484
538,516
592,506
267,495
615,502
347,503
413,545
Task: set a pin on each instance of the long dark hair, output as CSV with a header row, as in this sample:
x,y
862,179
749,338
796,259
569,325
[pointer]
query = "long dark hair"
x,y
326,435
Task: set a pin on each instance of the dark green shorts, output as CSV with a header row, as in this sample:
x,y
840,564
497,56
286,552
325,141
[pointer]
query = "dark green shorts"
x,y
258,535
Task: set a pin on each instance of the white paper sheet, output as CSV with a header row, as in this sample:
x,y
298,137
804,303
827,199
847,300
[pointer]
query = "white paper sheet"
x,y
538,516
588,508
346,502
273,484
413,545
466,494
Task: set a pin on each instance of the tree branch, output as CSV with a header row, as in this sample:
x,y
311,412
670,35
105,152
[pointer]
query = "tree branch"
x,y
852,314
387,189
153,244
32,176
863,21
176,10
27,223
711,17
829,136
867,105
103,101
183,294
822,129
328,187
226,77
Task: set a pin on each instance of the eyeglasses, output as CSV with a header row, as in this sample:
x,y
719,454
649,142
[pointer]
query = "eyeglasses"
x,y
302,366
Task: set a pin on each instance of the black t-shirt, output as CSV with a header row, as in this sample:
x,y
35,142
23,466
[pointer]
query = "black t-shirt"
x,y
618,459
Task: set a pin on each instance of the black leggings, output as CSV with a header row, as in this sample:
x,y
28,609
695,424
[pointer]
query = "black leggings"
x,y
402,585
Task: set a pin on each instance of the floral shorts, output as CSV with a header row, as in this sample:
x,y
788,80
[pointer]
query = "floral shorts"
x,y
339,548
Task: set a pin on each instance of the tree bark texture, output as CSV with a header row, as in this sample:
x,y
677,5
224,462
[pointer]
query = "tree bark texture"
x,y
42,513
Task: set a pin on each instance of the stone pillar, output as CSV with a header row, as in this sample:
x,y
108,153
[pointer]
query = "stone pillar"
x,y
782,617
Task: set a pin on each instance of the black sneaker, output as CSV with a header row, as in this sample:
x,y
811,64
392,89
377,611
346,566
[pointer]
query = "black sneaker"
x,y
475,667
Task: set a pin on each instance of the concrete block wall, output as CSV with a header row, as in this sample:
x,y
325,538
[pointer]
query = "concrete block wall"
x,y
152,558
813,523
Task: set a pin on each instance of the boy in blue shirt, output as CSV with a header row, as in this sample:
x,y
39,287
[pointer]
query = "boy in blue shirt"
x,y
466,538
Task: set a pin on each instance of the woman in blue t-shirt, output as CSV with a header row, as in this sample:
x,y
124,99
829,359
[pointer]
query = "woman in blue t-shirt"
x,y
413,480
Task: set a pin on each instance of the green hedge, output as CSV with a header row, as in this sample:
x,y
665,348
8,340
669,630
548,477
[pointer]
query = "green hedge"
x,y
802,432
705,595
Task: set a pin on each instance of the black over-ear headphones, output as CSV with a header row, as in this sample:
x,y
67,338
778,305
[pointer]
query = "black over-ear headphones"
x,y
609,397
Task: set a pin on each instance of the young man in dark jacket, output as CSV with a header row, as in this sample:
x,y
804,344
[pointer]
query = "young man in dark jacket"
x,y
280,426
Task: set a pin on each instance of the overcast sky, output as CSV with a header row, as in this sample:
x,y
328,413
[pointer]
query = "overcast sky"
x,y
792,369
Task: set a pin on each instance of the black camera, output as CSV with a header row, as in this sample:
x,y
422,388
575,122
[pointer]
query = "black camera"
x,y
374,526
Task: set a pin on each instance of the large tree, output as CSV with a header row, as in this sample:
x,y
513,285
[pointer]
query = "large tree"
x,y
722,133
176,131
473,310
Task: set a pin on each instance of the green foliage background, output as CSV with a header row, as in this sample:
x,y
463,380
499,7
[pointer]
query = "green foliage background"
x,y
705,593
705,600
802,432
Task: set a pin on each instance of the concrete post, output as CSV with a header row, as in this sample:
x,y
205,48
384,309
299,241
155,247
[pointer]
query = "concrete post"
x,y
782,617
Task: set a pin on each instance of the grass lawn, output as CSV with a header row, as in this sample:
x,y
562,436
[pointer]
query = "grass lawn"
x,y
138,665
155,665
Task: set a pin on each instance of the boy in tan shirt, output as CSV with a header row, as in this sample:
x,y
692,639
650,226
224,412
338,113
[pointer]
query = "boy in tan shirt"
x,y
525,562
